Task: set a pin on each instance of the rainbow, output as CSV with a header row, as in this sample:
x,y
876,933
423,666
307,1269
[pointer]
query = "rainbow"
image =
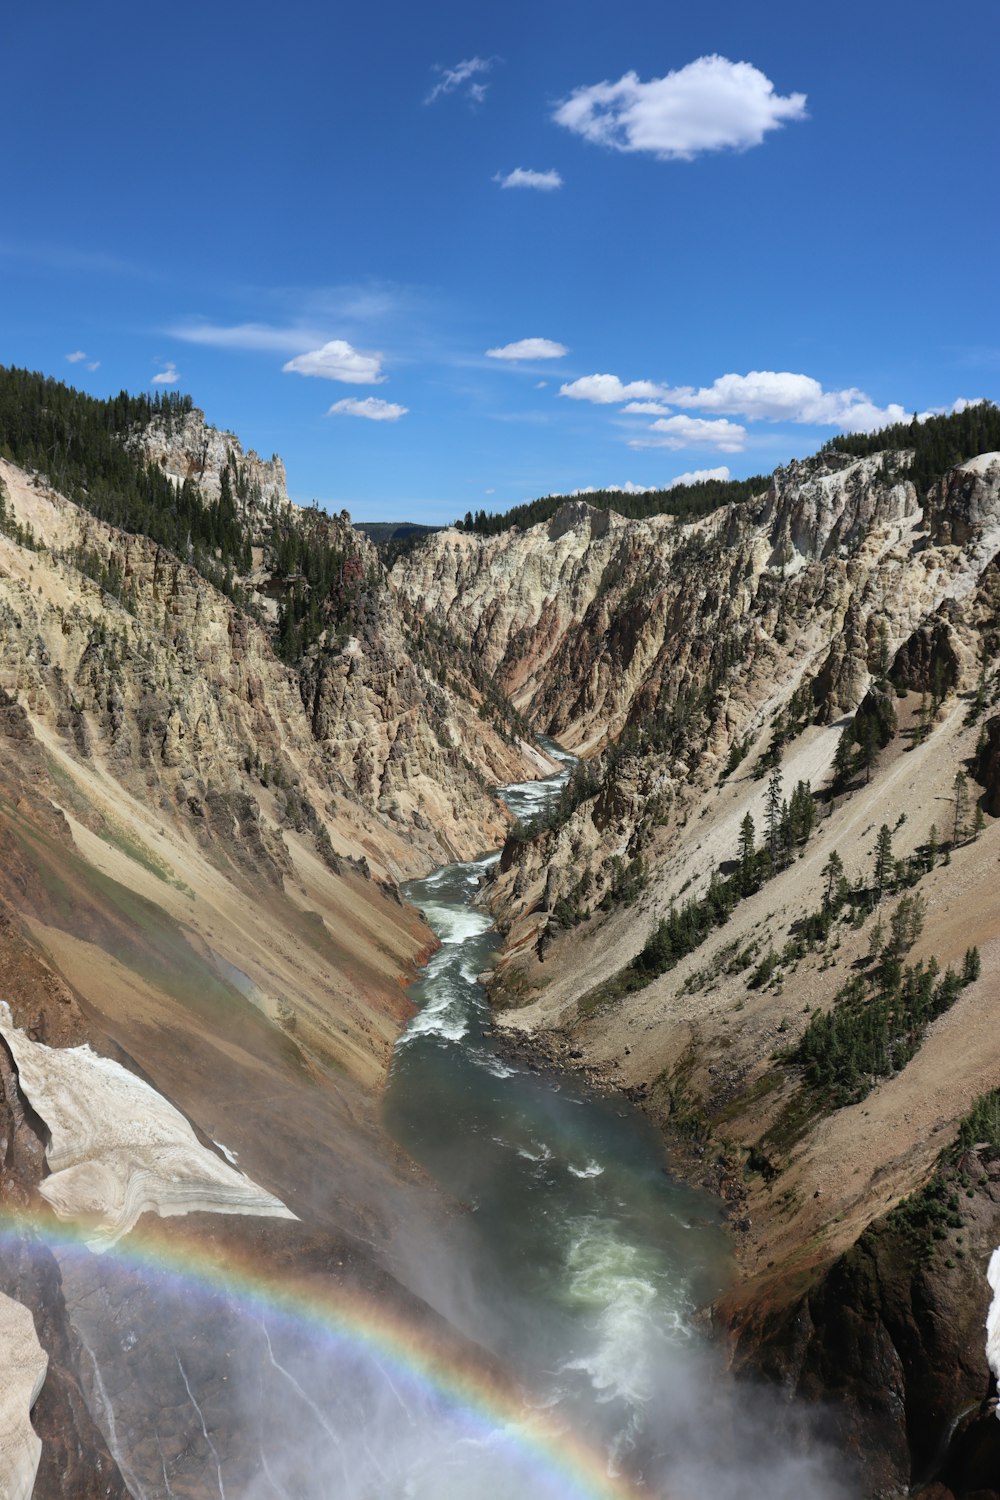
x,y
553,1460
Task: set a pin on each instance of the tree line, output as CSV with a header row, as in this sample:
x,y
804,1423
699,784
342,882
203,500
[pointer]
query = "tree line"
x,y
938,443
685,501
79,443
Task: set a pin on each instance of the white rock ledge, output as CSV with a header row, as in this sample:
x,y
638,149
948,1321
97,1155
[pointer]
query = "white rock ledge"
x,y
23,1363
993,1317
118,1148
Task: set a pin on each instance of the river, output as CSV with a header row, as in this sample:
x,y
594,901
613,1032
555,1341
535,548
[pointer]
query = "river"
x,y
588,1261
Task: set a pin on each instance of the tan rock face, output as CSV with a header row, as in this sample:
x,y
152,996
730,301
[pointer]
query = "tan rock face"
x,y
761,624
682,642
182,691
589,615
188,448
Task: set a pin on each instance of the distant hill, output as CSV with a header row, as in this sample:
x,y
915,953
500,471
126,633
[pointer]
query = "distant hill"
x,y
394,538
381,532
687,501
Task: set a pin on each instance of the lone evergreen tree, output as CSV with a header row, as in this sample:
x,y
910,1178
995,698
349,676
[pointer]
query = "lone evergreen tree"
x,y
773,813
843,760
833,874
883,652
884,866
747,856
960,796
933,847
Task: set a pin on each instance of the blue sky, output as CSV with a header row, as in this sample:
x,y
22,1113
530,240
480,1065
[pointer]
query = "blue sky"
x,y
759,222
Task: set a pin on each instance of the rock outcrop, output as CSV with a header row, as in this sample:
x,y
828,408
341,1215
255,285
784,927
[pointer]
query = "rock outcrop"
x,y
769,635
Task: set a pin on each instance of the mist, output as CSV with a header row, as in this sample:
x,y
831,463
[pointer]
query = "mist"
x,y
522,1322
200,1392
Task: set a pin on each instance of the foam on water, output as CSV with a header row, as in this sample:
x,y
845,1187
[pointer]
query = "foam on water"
x,y
617,1286
537,1152
454,924
494,1065
588,1272
436,1021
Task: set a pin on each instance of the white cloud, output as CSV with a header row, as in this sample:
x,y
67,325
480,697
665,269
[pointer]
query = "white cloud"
x,y
700,476
693,432
529,349
169,375
962,404
712,104
695,476
337,360
647,409
371,407
608,390
75,357
541,385
526,177
93,364
781,396
247,336
464,76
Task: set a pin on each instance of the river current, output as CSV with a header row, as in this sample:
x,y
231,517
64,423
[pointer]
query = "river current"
x,y
582,1262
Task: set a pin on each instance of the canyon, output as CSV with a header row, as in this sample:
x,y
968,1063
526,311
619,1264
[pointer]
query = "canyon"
x,y
202,926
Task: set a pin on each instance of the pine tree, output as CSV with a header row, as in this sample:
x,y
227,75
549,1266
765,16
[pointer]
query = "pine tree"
x,y
772,814
960,797
843,760
979,703
883,861
747,856
883,663
869,746
833,874
933,847
923,720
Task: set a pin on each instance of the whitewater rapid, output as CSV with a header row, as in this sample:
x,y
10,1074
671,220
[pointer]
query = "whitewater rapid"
x,y
589,1262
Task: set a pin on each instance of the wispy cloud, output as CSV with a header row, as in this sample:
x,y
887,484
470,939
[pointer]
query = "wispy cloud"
x,y
169,375
526,177
338,360
72,259
93,364
608,390
712,104
464,77
371,407
263,336
693,432
529,349
76,357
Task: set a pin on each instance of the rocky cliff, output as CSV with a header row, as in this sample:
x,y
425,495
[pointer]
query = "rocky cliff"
x,y
765,908
201,843
836,638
